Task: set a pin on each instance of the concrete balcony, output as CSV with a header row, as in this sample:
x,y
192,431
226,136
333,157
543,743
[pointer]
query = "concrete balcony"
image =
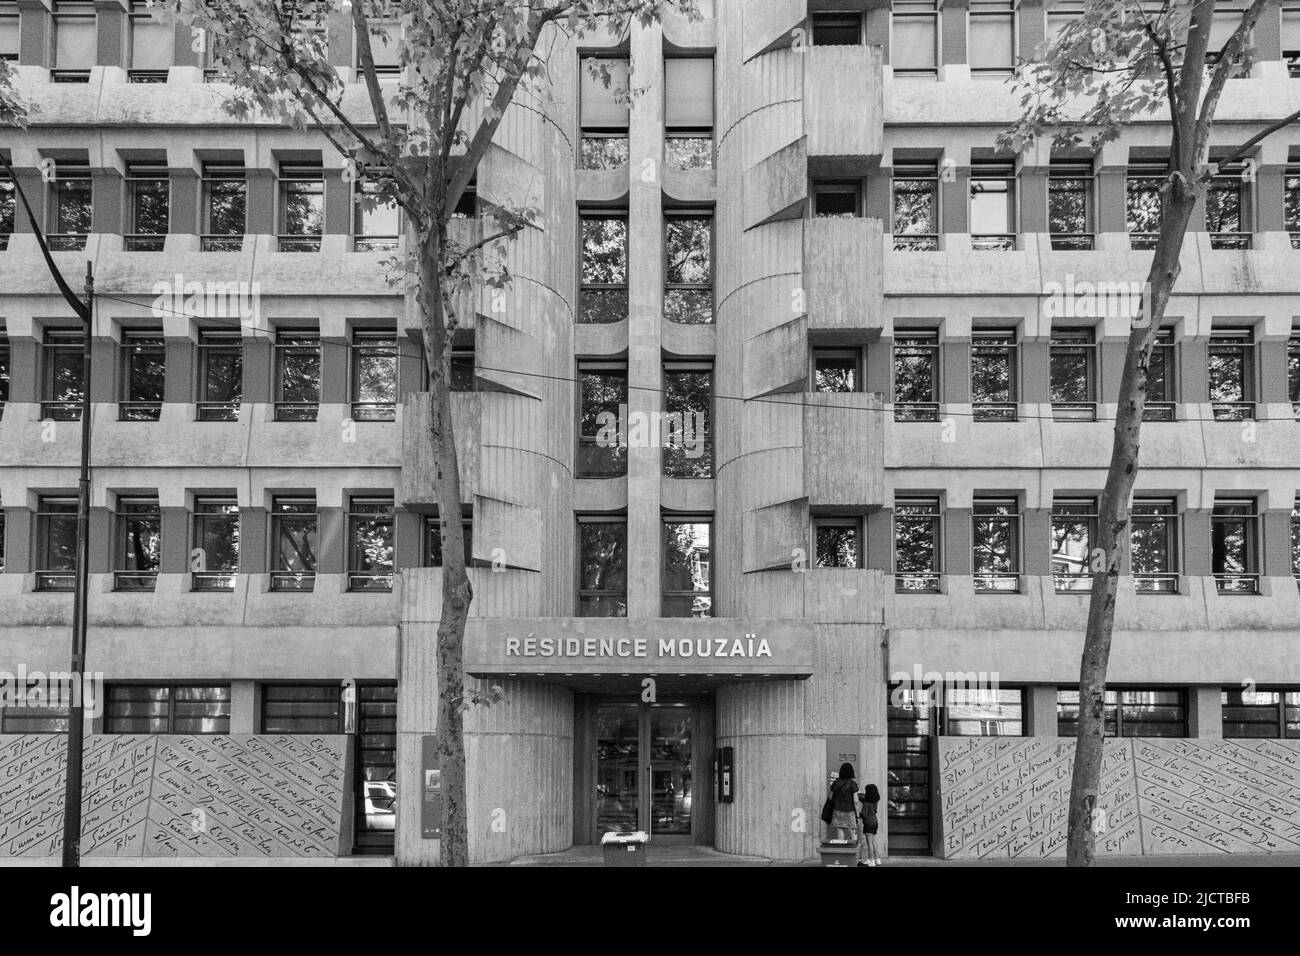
x,y
1197,636
256,273
175,634
843,107
184,100
416,484
1036,441
843,449
843,268
176,440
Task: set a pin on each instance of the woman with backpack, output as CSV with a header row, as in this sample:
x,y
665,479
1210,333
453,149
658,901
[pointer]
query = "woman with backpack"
x,y
870,822
844,817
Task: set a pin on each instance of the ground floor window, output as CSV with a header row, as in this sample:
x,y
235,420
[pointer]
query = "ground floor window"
x,y
1129,712
167,709
1273,713
984,712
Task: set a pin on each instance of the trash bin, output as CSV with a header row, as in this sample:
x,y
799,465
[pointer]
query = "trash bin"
x,y
839,853
625,848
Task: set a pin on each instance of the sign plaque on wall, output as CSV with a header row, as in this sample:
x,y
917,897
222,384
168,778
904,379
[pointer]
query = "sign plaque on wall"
x,y
431,790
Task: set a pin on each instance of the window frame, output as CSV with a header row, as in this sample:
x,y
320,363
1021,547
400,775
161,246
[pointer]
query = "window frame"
x,y
919,582
368,344
285,579
71,178
836,187
210,343
1247,581
852,522
132,509
1242,341
925,175
431,531
703,599
1004,342
111,727
289,343
616,459
689,290
1068,727
1158,582
1074,511
1081,341
617,291
917,343
139,344
1084,172
363,581
138,175
910,11
599,594
212,174
1280,724
57,343
1015,544
306,178
993,10
849,354
51,578
222,579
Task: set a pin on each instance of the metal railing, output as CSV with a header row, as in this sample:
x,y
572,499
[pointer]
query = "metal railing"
x,y
134,580
1074,411
142,242
66,242
994,411
997,242
1066,241
1237,583
296,411
216,411
293,580
912,582
299,243
61,411
374,412
916,242
1233,411
997,582
1230,240
139,411
212,581
1143,241
224,243
55,580
1160,412
374,244
369,582
146,76
1155,583
916,411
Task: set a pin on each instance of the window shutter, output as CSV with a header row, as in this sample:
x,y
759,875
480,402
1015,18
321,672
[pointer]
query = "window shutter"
x,y
688,92
151,44
75,43
9,42
600,105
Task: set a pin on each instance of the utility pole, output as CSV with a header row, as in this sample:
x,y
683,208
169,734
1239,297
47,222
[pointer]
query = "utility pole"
x,y
76,708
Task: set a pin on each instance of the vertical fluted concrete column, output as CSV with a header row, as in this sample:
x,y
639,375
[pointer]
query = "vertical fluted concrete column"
x,y
645,293
957,540
174,557
24,361
106,210
259,366
952,16
1111,208
35,23
183,206
1270,181
1041,709
34,188
253,523
112,25
1033,199
1205,712
19,521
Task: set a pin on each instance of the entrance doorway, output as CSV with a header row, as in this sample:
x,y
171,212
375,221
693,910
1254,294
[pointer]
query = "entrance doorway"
x,y
649,769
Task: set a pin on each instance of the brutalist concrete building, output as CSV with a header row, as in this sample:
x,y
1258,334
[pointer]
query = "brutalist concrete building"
x,y
783,448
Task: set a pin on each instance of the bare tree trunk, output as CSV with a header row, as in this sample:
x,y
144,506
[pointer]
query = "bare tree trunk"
x,y
456,591
1113,530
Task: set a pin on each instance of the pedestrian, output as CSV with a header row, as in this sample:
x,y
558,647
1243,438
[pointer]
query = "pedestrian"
x,y
870,823
844,817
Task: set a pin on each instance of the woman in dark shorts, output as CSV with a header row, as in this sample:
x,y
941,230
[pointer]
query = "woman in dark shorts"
x,y
871,822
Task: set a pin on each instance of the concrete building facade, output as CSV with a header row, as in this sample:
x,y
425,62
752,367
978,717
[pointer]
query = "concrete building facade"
x,y
888,357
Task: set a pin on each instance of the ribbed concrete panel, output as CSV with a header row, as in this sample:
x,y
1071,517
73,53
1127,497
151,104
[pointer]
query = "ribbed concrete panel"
x,y
769,24
843,105
520,757
417,453
839,595
843,265
846,694
505,593
774,360
773,814
774,535
843,438
776,186
507,534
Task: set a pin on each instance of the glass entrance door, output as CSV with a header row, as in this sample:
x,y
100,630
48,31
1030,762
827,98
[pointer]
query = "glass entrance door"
x,y
645,770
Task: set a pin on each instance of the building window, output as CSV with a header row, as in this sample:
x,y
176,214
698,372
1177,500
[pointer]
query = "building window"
x,y
433,541
837,199
70,206
144,376
167,709
992,37
603,100
688,112
4,372
385,49
225,203
602,567
1154,546
1074,534
297,376
688,270
1073,362
1227,208
148,191
993,375
75,44
376,787
374,376
917,543
1222,27
215,559
836,29
1162,381
10,37
302,709
378,222
1070,215
1145,203
916,206
687,587
995,545
64,373
1234,546
914,44
602,437
370,544
1133,712
1295,541
1261,714
1291,39
993,205
8,207
38,717
302,206
687,438
463,376
1232,374
984,711
152,42
221,376
916,376
603,296
837,370
56,544
1293,372
139,544
1291,202
294,538
837,542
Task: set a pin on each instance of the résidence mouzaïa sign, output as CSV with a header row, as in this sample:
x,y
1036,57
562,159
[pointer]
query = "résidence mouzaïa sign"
x,y
749,647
